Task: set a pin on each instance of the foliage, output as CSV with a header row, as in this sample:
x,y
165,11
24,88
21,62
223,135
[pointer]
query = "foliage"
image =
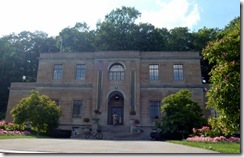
x,y
13,132
204,131
39,111
116,32
219,146
19,57
224,93
76,39
181,113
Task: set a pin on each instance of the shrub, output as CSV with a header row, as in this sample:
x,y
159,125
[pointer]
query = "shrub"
x,y
39,111
181,113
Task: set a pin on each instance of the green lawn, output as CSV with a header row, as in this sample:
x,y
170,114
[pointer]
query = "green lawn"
x,y
222,147
21,136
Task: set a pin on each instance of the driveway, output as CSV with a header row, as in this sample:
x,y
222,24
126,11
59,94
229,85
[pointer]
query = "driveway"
x,y
93,146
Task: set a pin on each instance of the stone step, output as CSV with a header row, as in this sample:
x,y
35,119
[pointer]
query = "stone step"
x,y
119,132
116,129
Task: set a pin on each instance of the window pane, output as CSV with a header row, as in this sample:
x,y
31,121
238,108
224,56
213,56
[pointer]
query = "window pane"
x,y
178,72
153,72
116,72
58,72
80,72
154,109
77,108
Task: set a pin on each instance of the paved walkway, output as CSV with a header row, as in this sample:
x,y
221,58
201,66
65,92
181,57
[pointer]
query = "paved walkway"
x,y
93,146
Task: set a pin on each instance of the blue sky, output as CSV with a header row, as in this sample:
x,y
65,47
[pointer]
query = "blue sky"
x,y
51,16
217,13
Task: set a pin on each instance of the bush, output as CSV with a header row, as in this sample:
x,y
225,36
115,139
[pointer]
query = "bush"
x,y
181,114
39,111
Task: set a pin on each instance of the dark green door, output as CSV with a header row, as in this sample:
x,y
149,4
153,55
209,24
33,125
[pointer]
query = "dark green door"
x,y
119,112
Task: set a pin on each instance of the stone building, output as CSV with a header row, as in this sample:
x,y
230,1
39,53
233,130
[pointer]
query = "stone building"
x,y
111,82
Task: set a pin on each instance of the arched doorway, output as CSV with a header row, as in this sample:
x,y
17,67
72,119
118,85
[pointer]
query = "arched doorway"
x,y
116,105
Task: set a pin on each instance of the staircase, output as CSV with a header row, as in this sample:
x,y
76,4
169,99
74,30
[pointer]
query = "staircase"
x,y
119,132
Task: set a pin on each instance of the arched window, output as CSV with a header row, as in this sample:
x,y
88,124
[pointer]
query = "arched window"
x,y
116,72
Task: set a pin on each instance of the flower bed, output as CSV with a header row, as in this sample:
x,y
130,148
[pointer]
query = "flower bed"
x,y
205,134
213,139
11,129
14,132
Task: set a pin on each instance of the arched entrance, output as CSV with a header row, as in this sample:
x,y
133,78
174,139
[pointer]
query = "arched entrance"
x,y
116,105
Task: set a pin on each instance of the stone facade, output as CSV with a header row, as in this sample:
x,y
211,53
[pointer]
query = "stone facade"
x,y
131,89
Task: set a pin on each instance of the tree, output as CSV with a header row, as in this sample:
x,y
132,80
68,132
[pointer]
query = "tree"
x,y
201,38
181,114
77,39
117,30
180,39
224,93
39,111
19,57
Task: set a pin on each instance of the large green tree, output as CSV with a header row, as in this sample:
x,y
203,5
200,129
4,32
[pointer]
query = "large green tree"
x,y
224,93
19,57
201,38
39,111
180,113
116,32
76,39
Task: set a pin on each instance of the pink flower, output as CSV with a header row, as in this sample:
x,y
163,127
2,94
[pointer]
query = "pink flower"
x,y
11,124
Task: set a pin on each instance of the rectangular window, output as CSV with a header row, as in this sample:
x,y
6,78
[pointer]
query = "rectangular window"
x,y
58,72
57,102
178,72
77,108
80,72
154,109
153,72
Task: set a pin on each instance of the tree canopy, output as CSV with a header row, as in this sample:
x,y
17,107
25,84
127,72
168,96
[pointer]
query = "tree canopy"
x,y
39,111
224,93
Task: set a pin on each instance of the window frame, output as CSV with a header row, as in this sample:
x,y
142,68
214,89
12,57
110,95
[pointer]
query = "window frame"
x,y
77,113
154,106
153,72
57,101
178,71
80,72
58,72
116,72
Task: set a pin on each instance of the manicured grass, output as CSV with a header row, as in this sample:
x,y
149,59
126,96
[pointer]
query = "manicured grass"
x,y
222,147
15,136
21,136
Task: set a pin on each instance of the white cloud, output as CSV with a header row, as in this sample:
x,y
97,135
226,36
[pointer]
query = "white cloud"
x,y
51,16
174,13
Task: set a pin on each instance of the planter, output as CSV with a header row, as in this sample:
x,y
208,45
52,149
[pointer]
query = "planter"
x,y
97,112
86,120
132,112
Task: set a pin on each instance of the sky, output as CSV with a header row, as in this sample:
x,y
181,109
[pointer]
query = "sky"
x,y
51,16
